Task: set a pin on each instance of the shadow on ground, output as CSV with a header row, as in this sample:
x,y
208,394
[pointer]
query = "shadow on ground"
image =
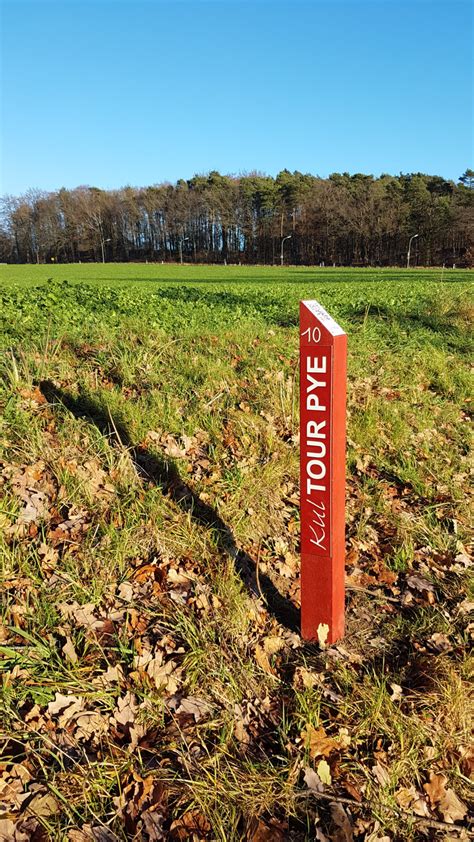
x,y
162,472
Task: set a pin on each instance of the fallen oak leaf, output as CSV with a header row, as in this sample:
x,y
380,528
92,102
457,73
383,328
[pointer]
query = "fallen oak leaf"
x,y
89,724
463,560
305,678
467,761
343,738
7,830
451,808
90,833
82,615
12,792
195,706
435,788
125,591
32,397
101,629
318,743
126,710
153,825
261,658
423,586
177,578
68,716
112,675
123,720
42,805
35,507
411,799
397,692
24,830
141,806
65,702
69,651
381,773
271,831
164,675
378,838
240,723
440,642
72,530
18,772
342,822
191,822
353,790
274,644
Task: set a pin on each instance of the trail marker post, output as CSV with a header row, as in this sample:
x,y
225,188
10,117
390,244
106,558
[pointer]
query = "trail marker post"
x,y
323,353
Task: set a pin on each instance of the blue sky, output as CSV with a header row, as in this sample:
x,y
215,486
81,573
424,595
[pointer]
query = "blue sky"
x,y
115,92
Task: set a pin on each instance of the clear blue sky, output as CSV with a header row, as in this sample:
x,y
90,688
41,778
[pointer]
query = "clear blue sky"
x,y
116,92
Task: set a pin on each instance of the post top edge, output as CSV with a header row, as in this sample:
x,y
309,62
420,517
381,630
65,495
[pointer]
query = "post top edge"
x,y
323,316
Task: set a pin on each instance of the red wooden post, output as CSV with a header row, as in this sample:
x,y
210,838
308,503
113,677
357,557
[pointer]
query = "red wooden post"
x,y
323,353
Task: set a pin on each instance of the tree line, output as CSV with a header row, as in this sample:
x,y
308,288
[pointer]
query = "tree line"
x,y
349,220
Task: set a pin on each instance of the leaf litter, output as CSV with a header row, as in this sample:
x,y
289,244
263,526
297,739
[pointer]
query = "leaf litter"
x,y
150,678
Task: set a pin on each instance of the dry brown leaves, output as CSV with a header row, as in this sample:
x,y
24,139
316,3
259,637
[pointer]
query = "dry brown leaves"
x,y
24,804
81,721
444,801
271,830
192,825
193,449
92,833
34,489
319,744
79,724
142,807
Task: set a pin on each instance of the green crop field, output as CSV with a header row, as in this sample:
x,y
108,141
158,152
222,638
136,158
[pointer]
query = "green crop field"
x,y
127,273
154,682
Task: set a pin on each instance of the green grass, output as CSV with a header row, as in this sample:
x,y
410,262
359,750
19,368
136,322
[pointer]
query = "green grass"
x,y
127,273
150,419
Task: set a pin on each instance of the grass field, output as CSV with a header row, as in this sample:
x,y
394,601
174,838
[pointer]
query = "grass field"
x,y
127,273
154,682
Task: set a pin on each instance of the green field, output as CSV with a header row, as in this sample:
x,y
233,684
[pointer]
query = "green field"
x,y
154,682
126,273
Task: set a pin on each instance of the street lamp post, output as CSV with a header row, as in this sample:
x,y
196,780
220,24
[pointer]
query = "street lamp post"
x,y
281,251
183,239
413,237
102,243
